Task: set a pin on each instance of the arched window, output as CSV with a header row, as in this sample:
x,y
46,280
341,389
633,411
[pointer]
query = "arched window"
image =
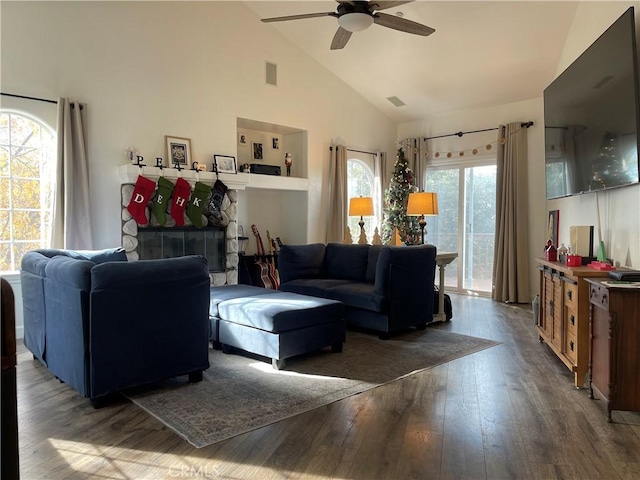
x,y
360,184
27,173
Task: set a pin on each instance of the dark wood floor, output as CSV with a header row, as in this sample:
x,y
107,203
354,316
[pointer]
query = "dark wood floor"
x,y
507,412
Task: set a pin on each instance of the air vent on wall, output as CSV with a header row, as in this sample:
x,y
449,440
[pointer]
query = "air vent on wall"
x,y
272,74
396,101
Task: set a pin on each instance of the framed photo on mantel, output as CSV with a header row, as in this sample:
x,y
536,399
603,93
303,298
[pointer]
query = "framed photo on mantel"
x,y
224,164
178,150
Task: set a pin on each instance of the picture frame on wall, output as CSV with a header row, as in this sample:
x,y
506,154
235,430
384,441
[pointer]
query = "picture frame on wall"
x,y
275,143
257,151
242,139
178,150
224,164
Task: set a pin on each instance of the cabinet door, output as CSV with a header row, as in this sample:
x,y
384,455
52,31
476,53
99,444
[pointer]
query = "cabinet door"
x,y
558,306
546,304
600,343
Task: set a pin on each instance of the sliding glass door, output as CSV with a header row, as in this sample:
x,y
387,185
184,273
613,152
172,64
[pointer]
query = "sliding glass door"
x,y
465,223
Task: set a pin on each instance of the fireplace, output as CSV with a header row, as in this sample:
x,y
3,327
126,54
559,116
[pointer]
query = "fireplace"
x,y
218,243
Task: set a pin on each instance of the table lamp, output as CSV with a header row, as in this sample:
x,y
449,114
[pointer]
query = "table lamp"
x,y
422,204
361,206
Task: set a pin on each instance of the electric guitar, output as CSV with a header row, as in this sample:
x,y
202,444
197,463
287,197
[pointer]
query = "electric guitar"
x,y
261,263
273,270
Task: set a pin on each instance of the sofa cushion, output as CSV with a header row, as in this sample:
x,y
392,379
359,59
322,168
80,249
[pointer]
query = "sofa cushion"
x,y
312,286
372,262
382,271
358,295
281,311
116,254
347,261
227,292
301,261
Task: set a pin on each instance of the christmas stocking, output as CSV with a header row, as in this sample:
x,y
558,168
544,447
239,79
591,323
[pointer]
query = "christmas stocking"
x,y
159,207
217,195
142,193
181,193
196,205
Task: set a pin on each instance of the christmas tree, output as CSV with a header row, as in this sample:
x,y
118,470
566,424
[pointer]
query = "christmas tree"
x,y
396,197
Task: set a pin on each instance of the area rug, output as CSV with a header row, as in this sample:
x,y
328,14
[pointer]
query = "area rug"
x,y
240,392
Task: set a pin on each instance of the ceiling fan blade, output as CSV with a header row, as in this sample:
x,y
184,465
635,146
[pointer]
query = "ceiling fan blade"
x,y
402,24
340,39
382,5
299,17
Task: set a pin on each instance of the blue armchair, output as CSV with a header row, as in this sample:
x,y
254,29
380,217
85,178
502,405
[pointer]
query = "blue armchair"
x,y
102,324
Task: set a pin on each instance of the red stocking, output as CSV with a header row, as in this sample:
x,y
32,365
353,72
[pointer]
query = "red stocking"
x,y
142,193
181,194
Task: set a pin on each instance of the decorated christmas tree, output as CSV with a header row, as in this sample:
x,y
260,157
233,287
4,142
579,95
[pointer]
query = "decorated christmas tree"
x,y
395,198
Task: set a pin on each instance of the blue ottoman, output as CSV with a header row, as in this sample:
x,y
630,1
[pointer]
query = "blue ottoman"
x,y
280,325
228,292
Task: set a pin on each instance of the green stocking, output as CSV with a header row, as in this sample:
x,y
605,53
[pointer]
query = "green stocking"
x,y
159,207
197,203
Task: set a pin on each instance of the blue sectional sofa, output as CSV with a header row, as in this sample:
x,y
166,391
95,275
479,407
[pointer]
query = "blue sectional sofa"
x,y
102,324
383,288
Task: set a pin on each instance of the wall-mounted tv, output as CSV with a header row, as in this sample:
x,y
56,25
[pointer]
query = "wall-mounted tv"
x,y
592,114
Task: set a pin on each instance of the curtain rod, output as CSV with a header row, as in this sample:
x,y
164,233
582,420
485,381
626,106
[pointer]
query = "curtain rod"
x,y
460,134
358,151
28,98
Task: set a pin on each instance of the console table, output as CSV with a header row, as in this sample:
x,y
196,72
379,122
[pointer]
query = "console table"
x,y
442,260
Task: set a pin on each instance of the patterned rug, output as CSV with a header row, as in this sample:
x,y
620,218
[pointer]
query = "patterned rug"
x,y
241,392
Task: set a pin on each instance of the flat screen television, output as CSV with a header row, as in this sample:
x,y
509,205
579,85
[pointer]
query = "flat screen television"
x,y
592,114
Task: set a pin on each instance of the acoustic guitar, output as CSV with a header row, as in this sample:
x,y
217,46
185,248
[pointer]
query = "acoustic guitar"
x,y
260,261
273,269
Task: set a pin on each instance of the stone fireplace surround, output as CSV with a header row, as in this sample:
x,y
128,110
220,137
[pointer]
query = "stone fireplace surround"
x,y
128,175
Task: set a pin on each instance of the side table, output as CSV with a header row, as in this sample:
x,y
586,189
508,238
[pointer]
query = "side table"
x,y
442,260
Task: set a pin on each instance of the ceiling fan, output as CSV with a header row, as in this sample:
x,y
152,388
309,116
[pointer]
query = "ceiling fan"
x,y
355,16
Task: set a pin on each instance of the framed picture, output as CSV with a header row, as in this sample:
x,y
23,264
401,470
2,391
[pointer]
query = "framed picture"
x,y
178,150
552,226
242,139
224,164
257,151
275,143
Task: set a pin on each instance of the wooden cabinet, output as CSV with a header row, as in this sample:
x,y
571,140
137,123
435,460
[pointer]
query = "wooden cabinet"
x,y
563,320
614,365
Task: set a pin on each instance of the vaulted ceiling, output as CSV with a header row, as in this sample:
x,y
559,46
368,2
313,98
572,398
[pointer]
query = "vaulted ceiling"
x,y
481,54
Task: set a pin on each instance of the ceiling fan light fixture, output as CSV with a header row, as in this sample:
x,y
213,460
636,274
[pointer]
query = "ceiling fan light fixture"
x,y
355,22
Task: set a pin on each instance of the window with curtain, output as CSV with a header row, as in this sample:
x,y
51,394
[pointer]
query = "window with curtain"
x,y
466,221
360,184
27,173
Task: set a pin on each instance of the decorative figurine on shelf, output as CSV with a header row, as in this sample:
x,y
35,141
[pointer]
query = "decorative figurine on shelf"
x,y
551,252
287,162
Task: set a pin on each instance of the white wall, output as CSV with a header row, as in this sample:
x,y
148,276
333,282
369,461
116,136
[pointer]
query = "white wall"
x,y
480,119
149,69
620,208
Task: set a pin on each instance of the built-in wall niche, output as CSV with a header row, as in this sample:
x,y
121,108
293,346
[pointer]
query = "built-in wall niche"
x,y
275,141
276,204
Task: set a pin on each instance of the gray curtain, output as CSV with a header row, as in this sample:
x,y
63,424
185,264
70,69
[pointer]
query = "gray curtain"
x,y
71,218
415,152
337,194
511,250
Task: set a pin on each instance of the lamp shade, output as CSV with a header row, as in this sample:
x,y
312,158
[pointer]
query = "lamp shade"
x,y
422,203
360,206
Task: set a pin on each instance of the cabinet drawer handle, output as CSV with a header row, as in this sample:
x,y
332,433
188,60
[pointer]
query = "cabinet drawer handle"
x,y
571,345
572,319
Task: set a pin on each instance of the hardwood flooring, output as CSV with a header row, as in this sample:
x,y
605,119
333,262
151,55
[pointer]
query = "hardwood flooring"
x,y
508,412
